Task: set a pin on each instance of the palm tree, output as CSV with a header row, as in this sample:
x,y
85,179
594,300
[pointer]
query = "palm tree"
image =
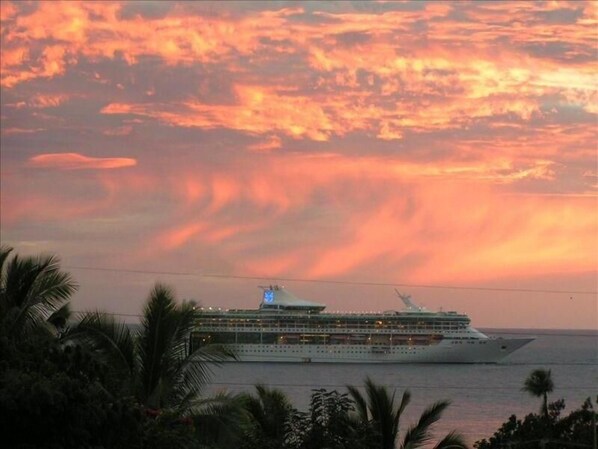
x,y
34,295
218,422
268,413
379,412
539,383
153,363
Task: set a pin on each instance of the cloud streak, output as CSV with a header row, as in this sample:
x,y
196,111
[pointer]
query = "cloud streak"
x,y
76,161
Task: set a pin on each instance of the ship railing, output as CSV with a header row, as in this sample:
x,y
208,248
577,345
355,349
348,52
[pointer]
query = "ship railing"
x,y
330,330
319,325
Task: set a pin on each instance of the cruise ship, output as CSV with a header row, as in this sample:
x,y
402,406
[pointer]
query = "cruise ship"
x,y
288,329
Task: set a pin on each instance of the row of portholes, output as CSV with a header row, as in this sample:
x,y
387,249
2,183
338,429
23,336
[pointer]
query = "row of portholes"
x,y
319,351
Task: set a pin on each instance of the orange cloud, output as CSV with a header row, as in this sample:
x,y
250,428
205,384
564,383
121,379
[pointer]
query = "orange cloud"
x,y
460,83
41,101
201,231
271,143
9,131
181,235
487,236
258,110
185,37
76,161
445,224
455,143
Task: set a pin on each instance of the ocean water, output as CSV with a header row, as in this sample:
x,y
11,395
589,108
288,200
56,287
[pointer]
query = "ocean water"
x,y
483,396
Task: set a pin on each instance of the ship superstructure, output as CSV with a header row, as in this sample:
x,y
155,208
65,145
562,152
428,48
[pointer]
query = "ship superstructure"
x,y
289,329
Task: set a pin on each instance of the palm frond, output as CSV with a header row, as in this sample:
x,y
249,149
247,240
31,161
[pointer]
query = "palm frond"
x,y
159,324
21,274
168,373
111,340
538,382
452,440
221,406
36,319
218,420
266,413
361,406
54,284
194,372
381,405
60,317
5,251
36,287
253,407
405,400
375,399
419,434
179,342
272,399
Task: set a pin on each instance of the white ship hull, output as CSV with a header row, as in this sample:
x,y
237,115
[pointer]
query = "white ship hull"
x,y
448,351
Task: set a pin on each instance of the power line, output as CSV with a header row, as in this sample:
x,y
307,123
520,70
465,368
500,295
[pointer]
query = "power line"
x,y
125,270
332,281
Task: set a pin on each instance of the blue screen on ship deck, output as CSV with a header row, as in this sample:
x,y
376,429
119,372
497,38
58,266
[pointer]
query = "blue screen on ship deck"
x,y
268,296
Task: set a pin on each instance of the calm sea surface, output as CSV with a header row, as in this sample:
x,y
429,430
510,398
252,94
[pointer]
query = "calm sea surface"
x,y
483,396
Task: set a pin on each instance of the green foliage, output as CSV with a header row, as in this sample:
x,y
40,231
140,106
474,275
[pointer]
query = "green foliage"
x,y
219,422
327,425
168,377
537,432
52,396
152,363
340,421
33,293
112,345
379,412
97,384
548,429
169,431
539,383
267,414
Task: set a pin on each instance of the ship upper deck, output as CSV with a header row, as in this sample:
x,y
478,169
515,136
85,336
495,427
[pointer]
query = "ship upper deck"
x,y
281,310
302,314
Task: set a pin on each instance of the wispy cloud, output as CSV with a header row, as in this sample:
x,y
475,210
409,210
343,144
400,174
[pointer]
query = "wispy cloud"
x,y
76,161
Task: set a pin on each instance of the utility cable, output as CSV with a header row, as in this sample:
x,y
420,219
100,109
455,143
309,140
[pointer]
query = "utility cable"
x,y
332,281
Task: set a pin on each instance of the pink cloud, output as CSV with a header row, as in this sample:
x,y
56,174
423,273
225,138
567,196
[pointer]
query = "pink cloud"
x,y
76,161
429,224
450,143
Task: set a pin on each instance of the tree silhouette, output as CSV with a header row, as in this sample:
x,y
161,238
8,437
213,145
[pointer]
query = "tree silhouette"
x,y
153,363
379,411
539,383
34,295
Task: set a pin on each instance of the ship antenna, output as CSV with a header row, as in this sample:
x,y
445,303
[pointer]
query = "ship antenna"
x,y
407,300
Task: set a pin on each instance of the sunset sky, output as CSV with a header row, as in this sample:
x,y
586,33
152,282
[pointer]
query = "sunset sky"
x,y
402,144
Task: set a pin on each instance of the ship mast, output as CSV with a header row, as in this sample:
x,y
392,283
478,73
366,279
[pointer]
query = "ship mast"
x,y
410,305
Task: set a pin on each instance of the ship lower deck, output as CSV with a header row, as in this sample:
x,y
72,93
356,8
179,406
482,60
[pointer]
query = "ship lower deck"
x,y
446,351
